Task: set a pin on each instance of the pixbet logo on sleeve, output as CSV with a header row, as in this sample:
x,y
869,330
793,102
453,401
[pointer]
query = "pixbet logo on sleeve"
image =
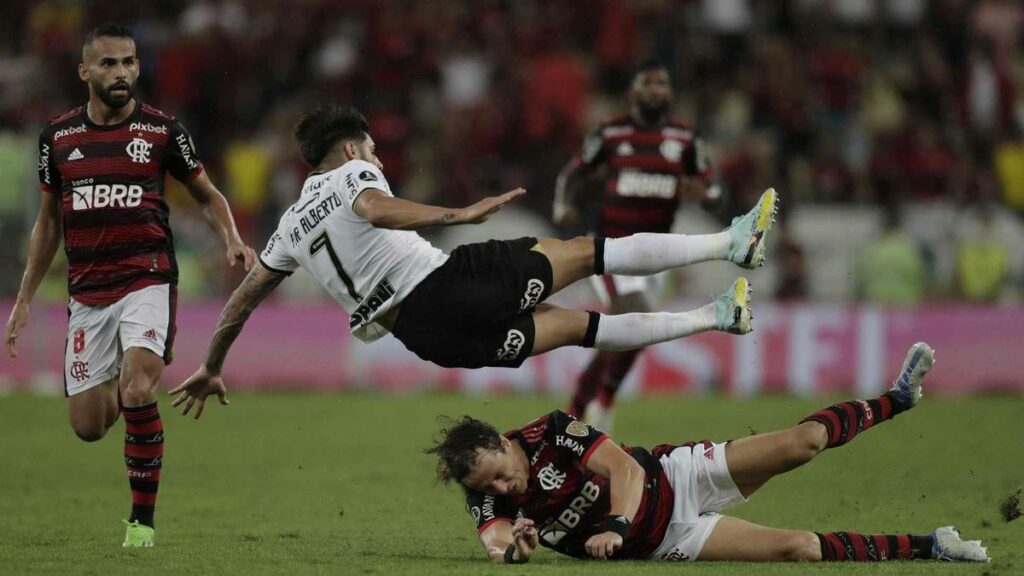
x,y
106,196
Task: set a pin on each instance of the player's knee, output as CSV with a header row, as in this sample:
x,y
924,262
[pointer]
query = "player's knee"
x,y
138,389
90,431
807,440
800,547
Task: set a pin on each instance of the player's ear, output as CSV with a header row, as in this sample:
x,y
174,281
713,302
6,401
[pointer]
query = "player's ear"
x,y
351,149
83,72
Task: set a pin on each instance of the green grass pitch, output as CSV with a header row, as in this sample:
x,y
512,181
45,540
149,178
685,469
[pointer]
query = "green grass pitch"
x,y
337,484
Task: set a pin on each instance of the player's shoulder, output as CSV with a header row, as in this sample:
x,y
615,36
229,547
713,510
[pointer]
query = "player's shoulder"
x,y
616,127
64,120
358,167
554,422
154,113
680,123
68,116
676,128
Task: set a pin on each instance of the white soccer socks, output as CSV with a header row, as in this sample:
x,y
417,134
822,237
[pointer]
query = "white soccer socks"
x,y
645,254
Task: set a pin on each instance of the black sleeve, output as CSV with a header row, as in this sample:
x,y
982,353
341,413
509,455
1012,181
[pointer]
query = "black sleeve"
x,y
182,160
592,153
572,437
695,159
49,176
485,509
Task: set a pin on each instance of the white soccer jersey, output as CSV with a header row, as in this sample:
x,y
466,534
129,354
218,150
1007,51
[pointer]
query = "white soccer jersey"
x,y
367,270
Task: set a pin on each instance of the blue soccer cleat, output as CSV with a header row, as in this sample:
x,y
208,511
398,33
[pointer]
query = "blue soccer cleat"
x,y
907,386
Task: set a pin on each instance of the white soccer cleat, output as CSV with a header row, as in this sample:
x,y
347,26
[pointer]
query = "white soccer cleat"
x,y
748,232
732,308
948,547
907,386
598,416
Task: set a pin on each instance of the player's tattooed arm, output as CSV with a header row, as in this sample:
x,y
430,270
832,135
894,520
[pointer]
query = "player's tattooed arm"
x,y
385,211
254,289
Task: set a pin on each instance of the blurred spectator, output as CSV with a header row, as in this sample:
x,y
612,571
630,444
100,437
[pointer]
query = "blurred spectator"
x,y
792,281
982,256
832,101
890,270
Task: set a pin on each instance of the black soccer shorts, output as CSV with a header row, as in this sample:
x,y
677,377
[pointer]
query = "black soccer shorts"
x,y
476,310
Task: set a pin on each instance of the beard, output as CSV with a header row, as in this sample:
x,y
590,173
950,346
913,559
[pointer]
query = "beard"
x,y
652,113
115,101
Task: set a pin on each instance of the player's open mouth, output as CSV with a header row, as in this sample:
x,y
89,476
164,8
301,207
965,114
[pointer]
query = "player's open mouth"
x,y
119,88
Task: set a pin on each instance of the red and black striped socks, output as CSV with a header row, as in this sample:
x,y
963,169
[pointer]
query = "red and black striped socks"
x,y
845,420
143,455
852,547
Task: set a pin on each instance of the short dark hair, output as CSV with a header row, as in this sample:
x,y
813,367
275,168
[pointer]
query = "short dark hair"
x,y
457,448
324,126
109,29
648,65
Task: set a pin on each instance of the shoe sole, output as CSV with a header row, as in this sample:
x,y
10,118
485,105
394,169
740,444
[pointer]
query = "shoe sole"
x,y
768,208
741,316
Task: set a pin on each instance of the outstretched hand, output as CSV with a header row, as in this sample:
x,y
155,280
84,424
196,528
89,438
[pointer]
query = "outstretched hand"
x,y
195,390
482,210
238,253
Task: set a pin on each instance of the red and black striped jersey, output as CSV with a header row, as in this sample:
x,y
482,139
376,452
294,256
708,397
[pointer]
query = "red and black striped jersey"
x,y
644,163
110,182
566,501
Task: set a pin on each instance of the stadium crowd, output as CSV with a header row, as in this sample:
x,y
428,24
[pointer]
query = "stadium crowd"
x,y
858,103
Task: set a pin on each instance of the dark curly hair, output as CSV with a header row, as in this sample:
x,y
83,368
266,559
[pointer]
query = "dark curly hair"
x,y
457,448
321,128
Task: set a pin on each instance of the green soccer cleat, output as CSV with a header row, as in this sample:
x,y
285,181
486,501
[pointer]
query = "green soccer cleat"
x,y
748,232
138,535
732,308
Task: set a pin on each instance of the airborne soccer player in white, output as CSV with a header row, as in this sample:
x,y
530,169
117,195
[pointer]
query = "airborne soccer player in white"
x,y
482,305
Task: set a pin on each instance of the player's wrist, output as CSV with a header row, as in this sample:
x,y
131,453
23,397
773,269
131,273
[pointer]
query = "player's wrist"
x,y
513,556
618,524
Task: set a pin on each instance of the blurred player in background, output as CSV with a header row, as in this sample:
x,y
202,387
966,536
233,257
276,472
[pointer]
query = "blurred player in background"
x,y
101,172
483,304
557,482
648,162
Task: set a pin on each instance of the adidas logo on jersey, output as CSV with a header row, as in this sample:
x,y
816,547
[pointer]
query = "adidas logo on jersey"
x,y
151,334
76,154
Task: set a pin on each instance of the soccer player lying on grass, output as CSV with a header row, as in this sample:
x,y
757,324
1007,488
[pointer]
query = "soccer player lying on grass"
x,y
556,482
483,304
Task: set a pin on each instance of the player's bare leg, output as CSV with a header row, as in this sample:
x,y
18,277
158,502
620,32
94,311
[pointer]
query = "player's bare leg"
x,y
738,540
755,460
144,438
92,412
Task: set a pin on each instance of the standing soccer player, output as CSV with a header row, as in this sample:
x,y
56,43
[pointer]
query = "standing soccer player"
x,y
101,174
648,162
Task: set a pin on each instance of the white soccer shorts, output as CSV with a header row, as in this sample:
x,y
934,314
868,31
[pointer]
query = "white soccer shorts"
x,y
702,486
99,335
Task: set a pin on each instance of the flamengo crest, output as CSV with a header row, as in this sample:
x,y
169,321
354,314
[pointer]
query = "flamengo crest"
x,y
139,149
